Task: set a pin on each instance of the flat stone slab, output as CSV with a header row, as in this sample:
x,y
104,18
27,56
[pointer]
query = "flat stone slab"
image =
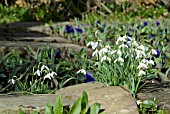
x,y
113,99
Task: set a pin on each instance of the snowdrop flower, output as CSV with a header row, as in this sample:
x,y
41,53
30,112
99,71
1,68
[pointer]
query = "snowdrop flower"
x,y
151,62
105,58
141,73
123,46
143,48
50,75
140,54
120,39
44,67
134,43
95,53
95,44
38,72
12,80
153,51
112,52
142,66
81,71
119,59
119,53
138,102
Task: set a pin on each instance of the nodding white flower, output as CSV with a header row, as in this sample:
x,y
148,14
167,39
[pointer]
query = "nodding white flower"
x,y
95,53
81,71
119,53
141,73
119,59
120,39
105,58
143,48
113,52
142,66
134,43
123,46
94,44
139,53
151,62
50,75
38,72
154,51
44,67
138,102
12,81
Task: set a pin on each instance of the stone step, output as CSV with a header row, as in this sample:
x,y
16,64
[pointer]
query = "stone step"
x,y
113,99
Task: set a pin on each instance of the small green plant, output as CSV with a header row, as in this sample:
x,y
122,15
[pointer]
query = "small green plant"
x,y
79,107
150,107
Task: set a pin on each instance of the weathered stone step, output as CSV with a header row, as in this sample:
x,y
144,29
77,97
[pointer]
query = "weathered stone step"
x,y
56,45
113,99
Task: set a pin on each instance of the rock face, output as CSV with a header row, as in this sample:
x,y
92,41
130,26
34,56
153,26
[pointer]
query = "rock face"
x,y
113,99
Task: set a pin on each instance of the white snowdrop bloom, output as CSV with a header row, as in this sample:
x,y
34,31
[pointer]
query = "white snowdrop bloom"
x,y
151,62
134,43
38,72
123,46
12,81
81,71
93,44
142,66
138,102
105,58
49,76
95,53
120,39
119,52
140,54
44,67
142,47
113,52
53,73
141,73
119,59
154,51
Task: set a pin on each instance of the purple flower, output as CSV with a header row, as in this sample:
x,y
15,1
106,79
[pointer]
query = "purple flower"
x,y
157,23
98,22
129,35
145,23
89,78
79,30
150,36
101,30
147,59
69,29
103,25
158,53
154,66
57,55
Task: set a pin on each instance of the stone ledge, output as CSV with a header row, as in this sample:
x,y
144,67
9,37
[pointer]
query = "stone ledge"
x,y
113,99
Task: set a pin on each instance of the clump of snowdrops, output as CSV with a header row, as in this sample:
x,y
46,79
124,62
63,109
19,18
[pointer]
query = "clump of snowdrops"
x,y
126,63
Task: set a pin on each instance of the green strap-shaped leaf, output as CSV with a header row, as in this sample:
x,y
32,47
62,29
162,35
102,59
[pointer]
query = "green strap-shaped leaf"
x,y
76,108
58,106
48,109
84,103
94,109
21,111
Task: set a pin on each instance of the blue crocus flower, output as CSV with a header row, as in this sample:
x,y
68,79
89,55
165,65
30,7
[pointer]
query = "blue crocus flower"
x,y
69,29
89,78
154,66
147,59
150,36
79,30
145,23
158,53
129,35
57,54
157,23
98,22
101,30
